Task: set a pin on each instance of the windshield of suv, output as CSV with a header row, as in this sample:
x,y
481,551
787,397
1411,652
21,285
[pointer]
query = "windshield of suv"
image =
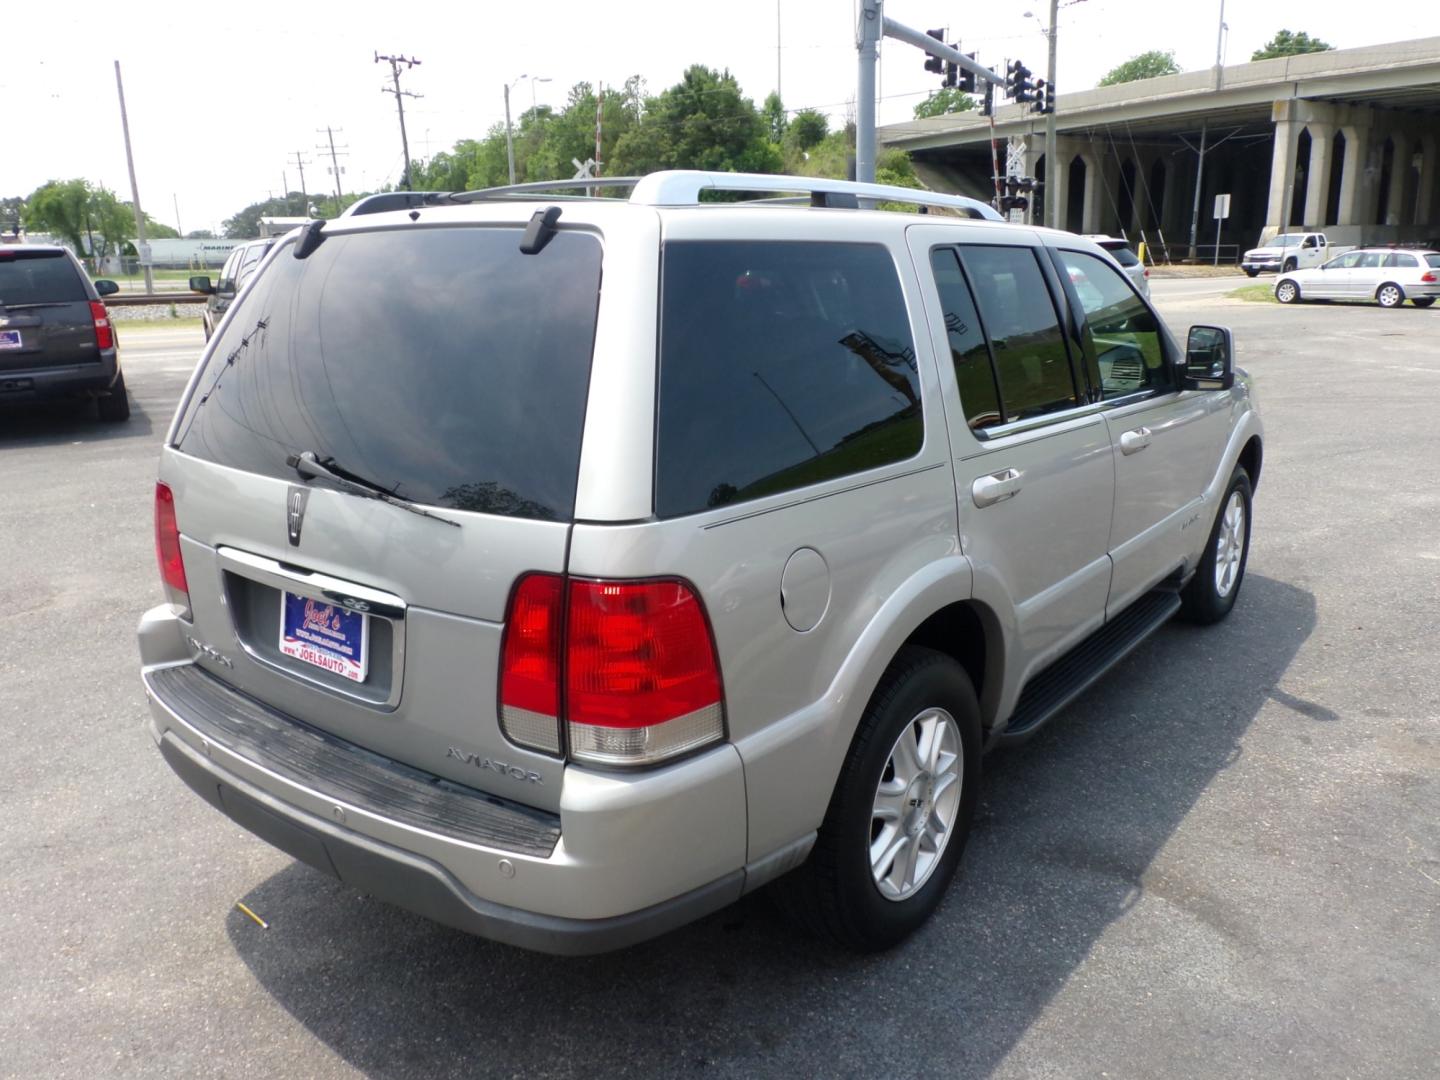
x,y
38,277
439,363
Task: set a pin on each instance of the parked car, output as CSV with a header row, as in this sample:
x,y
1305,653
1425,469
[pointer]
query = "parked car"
x,y
566,616
56,339
1385,275
1135,270
241,263
1290,251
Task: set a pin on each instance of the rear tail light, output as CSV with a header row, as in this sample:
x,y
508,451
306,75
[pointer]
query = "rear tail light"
x,y
104,332
1429,278
1147,271
167,544
530,663
641,682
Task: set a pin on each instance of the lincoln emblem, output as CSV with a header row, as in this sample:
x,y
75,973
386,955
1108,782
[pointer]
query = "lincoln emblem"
x,y
295,512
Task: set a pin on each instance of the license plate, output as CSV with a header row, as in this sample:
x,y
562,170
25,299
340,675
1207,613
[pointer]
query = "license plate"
x,y
325,635
10,339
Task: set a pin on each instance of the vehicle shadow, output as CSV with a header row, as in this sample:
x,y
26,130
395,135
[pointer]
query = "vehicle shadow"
x,y
1067,827
67,421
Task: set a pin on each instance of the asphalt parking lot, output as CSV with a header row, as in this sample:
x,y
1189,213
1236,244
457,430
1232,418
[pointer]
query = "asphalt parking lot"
x,y
1223,861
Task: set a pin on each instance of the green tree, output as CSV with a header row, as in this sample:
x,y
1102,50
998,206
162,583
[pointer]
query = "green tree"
x,y
199,234
12,211
948,99
1148,65
807,129
702,122
245,225
90,219
1284,43
774,112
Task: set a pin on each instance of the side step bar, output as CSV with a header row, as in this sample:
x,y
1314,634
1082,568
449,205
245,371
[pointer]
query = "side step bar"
x,y
1059,684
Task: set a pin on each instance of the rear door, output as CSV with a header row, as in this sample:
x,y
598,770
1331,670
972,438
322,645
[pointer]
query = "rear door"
x,y
445,366
1362,281
1031,454
45,318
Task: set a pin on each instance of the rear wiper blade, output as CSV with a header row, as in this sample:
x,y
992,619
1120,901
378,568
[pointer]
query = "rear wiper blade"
x,y
308,465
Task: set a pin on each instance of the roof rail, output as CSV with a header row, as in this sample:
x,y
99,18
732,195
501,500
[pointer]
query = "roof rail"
x,y
683,188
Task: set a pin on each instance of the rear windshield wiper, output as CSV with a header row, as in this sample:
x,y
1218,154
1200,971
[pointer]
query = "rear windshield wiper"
x,y
308,465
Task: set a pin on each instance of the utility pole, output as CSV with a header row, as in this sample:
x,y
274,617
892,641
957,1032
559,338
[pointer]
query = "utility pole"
x,y
335,169
777,51
1219,47
409,62
178,227
300,164
1199,183
142,249
1052,153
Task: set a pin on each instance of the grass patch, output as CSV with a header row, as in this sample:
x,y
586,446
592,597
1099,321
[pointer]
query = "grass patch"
x,y
1260,294
137,326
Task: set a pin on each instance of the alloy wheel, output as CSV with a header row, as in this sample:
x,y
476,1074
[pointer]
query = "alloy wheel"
x,y
1230,545
916,804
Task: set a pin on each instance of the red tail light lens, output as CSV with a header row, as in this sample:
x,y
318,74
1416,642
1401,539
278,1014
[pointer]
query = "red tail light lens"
x,y
530,663
628,665
167,542
1429,278
104,332
642,682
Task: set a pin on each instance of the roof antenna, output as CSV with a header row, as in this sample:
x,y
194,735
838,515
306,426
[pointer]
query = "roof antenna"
x,y
539,231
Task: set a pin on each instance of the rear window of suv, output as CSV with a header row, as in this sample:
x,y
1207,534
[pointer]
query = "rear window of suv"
x,y
1120,252
440,363
782,364
39,277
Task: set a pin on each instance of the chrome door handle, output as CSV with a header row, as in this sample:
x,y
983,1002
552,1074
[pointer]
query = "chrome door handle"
x,y
1132,442
997,487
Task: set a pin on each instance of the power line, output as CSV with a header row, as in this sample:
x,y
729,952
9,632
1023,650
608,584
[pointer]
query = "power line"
x,y
400,95
300,164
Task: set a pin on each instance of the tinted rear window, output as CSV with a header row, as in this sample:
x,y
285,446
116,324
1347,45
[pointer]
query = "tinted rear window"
x,y
1433,260
1121,254
440,363
39,279
781,365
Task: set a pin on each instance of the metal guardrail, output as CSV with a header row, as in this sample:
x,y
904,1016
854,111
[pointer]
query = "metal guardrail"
x,y
141,299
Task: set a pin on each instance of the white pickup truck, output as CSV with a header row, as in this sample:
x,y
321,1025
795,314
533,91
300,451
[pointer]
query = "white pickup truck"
x,y
1290,251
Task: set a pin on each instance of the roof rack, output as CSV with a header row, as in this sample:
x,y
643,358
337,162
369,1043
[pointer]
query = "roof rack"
x,y
683,188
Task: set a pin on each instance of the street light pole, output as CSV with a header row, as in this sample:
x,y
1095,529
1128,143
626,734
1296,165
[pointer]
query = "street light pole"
x,y
1052,153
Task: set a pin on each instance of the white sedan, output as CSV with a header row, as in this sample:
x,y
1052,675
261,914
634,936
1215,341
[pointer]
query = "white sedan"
x,y
1386,275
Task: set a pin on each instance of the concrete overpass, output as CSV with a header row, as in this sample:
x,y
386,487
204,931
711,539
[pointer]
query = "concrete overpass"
x,y
1347,141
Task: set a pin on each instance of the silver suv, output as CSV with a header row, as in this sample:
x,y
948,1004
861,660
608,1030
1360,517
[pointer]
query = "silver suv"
x,y
565,613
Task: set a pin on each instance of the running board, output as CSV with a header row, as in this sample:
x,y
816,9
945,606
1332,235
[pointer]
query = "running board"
x,y
1064,680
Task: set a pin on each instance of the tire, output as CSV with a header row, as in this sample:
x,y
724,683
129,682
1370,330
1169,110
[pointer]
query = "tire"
x,y
838,894
115,406
1390,295
1290,264
1287,292
1423,302
1251,273
1209,596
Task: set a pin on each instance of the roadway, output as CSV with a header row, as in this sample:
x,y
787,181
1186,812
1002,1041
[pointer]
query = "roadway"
x,y
1224,860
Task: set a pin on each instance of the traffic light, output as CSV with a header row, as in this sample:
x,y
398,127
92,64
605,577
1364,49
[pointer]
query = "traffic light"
x,y
934,63
987,106
967,78
952,71
1044,97
1017,82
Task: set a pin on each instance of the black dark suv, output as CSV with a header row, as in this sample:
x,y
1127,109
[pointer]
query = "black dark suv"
x,y
55,334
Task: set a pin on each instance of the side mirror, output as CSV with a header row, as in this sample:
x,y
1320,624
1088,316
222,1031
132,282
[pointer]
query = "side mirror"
x,y
1209,358
106,287
201,284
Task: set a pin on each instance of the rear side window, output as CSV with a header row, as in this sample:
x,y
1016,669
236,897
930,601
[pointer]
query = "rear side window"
x,y
1123,333
1122,254
781,365
440,363
39,278
1433,261
1397,259
1032,363
974,375
1369,260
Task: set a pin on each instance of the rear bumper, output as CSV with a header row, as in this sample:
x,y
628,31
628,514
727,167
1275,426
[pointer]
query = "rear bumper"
x,y
627,857
51,382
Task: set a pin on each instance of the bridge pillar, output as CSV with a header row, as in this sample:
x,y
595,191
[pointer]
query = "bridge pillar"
x,y
1400,168
1094,194
1425,212
1317,191
1352,174
1058,174
1282,166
